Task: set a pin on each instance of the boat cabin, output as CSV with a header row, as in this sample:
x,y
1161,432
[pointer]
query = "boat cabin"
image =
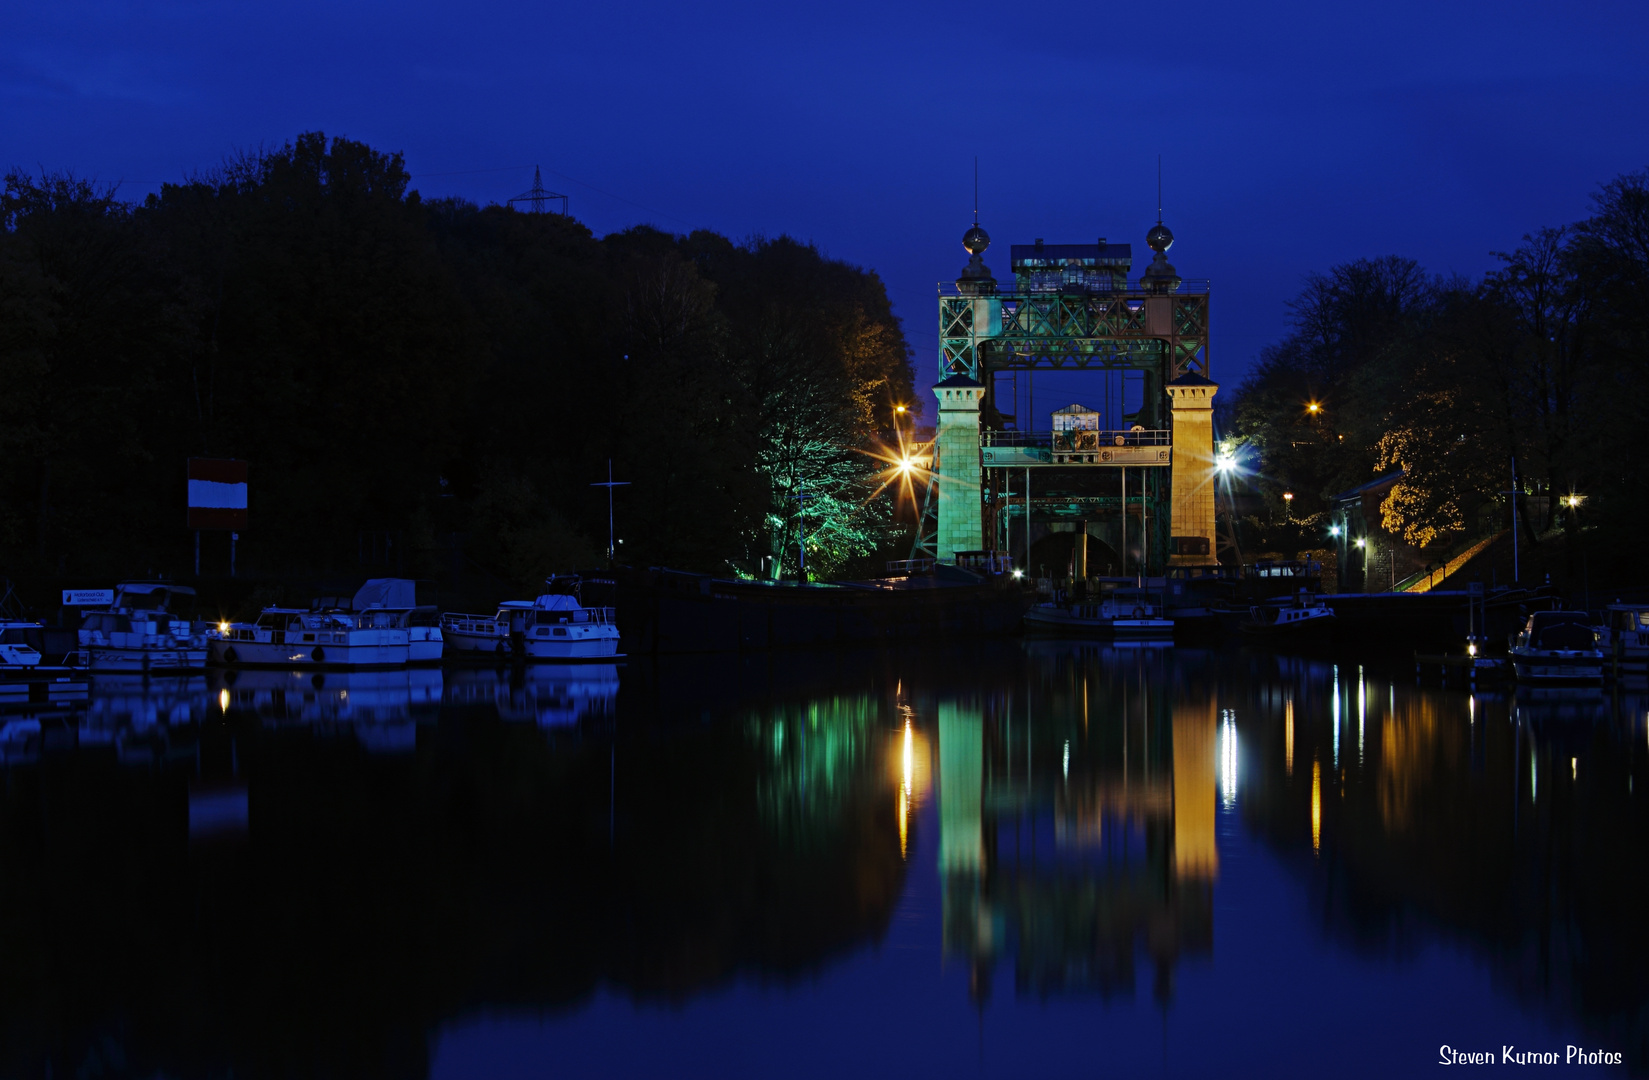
x,y
1626,617
1562,631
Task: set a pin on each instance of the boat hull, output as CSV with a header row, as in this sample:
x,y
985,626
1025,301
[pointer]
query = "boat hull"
x,y
425,645
114,658
310,654
1043,618
603,647
463,643
1313,628
1545,668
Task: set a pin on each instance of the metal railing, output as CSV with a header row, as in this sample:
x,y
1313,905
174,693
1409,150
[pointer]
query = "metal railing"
x,y
1077,440
1010,289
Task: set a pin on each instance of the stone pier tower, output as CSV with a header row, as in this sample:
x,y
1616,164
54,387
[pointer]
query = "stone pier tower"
x,y
1192,477
956,437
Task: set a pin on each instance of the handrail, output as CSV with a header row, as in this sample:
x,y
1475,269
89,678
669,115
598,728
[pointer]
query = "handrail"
x,y
1077,439
1010,290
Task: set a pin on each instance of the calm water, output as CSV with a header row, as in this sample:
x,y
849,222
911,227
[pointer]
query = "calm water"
x,y
1001,860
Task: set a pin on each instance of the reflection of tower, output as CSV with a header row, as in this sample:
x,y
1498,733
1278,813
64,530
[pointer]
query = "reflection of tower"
x,y
966,911
961,778
1077,824
1195,853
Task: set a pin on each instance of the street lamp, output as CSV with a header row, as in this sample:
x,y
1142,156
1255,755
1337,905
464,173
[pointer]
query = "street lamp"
x,y
1313,408
1288,506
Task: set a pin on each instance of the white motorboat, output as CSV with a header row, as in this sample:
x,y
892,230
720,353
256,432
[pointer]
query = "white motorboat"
x,y
293,637
24,678
1624,637
553,627
392,603
1123,614
1558,647
139,632
382,627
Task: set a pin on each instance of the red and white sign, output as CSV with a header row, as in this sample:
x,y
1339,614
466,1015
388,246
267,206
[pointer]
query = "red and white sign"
x,y
217,493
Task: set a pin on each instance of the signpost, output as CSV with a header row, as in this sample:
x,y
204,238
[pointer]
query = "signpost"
x,y
88,597
217,501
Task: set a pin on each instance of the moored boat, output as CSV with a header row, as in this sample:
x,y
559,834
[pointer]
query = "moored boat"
x,y
1122,614
1557,648
1624,637
1303,619
556,626
139,631
380,628
23,678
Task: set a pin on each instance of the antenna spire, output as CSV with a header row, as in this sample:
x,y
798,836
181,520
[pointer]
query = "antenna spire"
x,y
1159,189
976,189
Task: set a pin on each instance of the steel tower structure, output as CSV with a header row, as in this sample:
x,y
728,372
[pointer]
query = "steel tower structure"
x,y
1141,475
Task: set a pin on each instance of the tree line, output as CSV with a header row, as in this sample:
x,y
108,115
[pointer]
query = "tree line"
x,y
1545,359
426,377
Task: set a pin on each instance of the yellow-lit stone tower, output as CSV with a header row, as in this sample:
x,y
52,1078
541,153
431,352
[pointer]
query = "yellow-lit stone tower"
x,y
1191,399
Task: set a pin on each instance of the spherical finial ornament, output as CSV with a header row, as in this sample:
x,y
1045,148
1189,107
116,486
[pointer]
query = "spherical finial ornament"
x,y
976,240
1159,239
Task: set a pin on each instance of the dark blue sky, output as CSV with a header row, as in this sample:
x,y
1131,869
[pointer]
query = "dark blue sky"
x,y
1293,136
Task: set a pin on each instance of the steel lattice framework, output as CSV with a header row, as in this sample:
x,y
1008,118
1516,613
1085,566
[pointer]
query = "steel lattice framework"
x,y
1133,328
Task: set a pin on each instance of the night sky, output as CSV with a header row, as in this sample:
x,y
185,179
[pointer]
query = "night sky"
x,y
1292,137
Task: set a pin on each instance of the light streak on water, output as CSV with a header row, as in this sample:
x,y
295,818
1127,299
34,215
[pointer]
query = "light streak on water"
x,y
1316,806
904,793
1336,710
1228,760
1288,736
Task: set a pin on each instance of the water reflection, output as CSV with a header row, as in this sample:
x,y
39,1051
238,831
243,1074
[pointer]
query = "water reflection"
x,y
1077,822
326,871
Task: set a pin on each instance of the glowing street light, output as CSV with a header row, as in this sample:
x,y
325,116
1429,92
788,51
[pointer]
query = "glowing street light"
x,y
1572,501
1360,542
1313,408
1334,530
1288,505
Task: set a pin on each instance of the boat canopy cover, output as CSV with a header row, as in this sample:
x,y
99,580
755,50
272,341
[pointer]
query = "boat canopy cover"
x,y
1561,630
386,592
556,602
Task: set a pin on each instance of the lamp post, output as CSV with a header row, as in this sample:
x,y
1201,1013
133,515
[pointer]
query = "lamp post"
x,y
1288,506
610,485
